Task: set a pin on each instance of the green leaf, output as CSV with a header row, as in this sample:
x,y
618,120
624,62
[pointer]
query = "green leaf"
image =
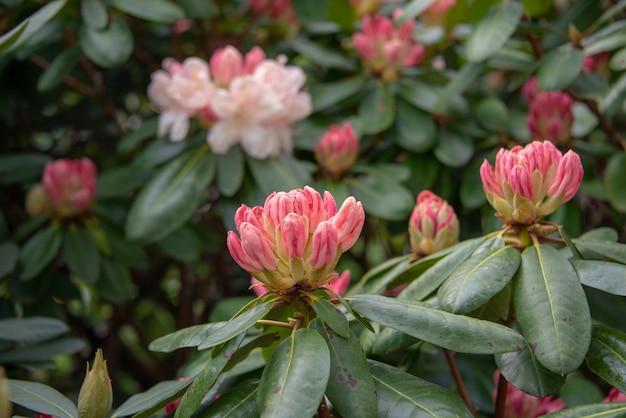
x,y
171,197
199,9
32,329
606,43
614,180
160,11
283,173
94,13
61,66
382,197
203,382
552,309
613,250
607,356
493,114
125,251
478,279
240,401
191,336
460,81
600,410
236,326
377,279
403,395
523,371
377,109
159,151
560,68
421,95
310,10
158,395
182,244
295,377
618,60
42,352
326,57
342,13
130,141
120,181
41,398
611,103
9,256
17,36
350,386
81,254
325,95
606,276
426,322
39,251
332,317
416,130
21,167
115,283
472,193
108,48
493,31
230,171
454,148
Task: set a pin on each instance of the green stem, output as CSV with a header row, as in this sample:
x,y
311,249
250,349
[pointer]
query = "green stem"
x,y
459,380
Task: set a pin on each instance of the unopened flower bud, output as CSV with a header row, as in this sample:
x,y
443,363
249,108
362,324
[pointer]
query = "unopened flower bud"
x,y
37,202
551,117
96,395
531,89
226,63
433,225
337,151
70,186
598,64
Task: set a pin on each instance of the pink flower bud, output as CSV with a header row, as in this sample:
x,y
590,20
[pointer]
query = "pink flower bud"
x,y
70,186
433,225
598,64
226,64
551,117
253,58
294,235
257,247
531,182
239,255
614,396
530,89
324,250
339,283
337,150
349,222
435,14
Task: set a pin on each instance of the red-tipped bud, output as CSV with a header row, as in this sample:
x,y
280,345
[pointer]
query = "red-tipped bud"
x,y
349,222
226,64
337,151
325,246
551,117
531,89
433,225
70,186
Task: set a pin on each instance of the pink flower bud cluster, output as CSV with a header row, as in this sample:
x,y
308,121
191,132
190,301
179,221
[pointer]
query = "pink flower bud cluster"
x,y
278,10
337,150
295,239
433,225
385,49
530,182
522,405
435,14
249,100
551,117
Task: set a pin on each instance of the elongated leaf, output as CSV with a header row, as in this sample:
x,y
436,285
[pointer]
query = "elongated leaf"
x,y
39,251
161,11
600,410
350,386
423,321
416,130
110,47
613,250
295,377
560,68
191,336
331,316
81,254
377,109
9,256
607,356
326,57
523,371
22,32
377,274
61,66
454,148
610,103
614,176
161,393
458,84
325,95
42,352
493,31
240,401
414,8
283,173
610,277
120,181
115,284
32,329
236,326
171,197
41,398
230,171
478,279
403,395
382,197
310,10
94,13
552,309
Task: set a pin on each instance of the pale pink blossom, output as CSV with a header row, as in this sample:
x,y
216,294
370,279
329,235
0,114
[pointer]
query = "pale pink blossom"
x,y
295,239
433,225
337,150
227,63
551,117
522,405
530,182
70,186
435,14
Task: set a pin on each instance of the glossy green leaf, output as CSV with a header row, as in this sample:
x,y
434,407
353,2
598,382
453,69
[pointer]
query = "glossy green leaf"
x,y
454,148
41,398
493,31
552,309
39,251
560,67
326,57
183,244
21,33
377,109
200,9
332,317
131,140
325,95
523,371
614,181
472,193
600,410
120,181
9,256
61,66
115,284
457,85
171,197
9,38
618,60
295,377
401,394
580,390
160,11
416,130
240,401
81,254
426,322
613,250
159,151
94,13
377,279
612,102
125,251
421,95
230,171
382,197
158,395
191,336
478,279
493,114
350,386
236,326
31,329
607,356
42,352
310,10
342,13
283,173
21,167
606,276
536,8
108,48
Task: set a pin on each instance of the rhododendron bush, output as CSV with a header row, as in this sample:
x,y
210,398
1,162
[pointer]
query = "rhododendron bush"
x,y
313,208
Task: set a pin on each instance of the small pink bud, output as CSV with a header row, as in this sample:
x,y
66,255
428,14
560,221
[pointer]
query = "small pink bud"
x,y
569,175
226,64
325,246
70,186
239,255
530,89
253,58
294,235
551,117
433,225
349,222
337,150
339,284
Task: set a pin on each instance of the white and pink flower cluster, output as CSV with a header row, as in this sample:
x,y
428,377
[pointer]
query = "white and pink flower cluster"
x,y
248,100
295,239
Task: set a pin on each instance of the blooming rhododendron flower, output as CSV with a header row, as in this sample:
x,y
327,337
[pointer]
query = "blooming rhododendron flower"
x,y
530,182
522,405
337,150
435,14
295,240
70,186
385,49
433,225
551,117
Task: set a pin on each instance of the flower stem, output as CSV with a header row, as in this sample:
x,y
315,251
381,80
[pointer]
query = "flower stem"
x,y
459,380
501,396
322,411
